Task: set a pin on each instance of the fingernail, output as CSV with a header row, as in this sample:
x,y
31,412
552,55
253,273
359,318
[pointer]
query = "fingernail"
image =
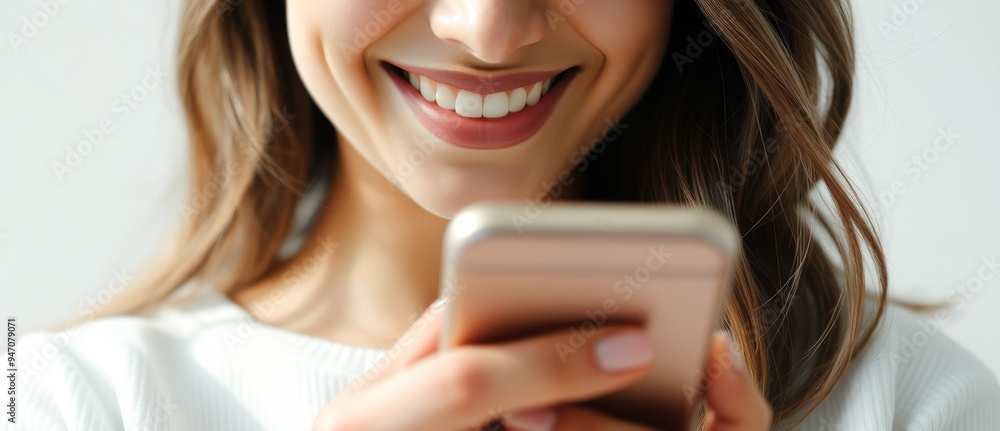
x,y
439,302
735,353
623,350
543,419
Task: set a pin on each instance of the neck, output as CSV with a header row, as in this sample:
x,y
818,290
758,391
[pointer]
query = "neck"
x,y
367,269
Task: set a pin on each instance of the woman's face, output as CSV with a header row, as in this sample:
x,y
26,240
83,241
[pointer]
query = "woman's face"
x,y
456,101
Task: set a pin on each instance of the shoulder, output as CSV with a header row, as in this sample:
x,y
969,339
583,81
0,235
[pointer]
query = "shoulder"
x,y
62,384
84,376
108,373
912,376
159,371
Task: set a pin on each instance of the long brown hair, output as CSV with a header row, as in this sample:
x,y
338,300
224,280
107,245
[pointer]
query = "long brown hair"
x,y
742,117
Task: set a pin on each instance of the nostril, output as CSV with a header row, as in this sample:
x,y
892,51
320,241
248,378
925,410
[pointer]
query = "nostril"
x,y
491,30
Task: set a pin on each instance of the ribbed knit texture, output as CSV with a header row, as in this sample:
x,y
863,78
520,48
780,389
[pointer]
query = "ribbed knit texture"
x,y
207,365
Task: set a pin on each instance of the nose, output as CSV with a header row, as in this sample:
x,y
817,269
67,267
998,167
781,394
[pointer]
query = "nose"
x,y
491,30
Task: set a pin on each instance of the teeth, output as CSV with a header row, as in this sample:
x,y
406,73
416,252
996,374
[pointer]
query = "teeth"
x,y
414,80
427,88
496,105
469,104
518,98
472,105
534,94
446,97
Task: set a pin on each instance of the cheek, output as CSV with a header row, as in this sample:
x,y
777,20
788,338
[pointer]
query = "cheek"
x,y
353,25
631,38
626,26
631,55
329,40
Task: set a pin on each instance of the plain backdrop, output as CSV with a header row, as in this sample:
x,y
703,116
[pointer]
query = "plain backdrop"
x,y
921,144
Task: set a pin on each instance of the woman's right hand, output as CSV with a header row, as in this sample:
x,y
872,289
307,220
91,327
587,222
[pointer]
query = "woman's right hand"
x,y
528,382
465,387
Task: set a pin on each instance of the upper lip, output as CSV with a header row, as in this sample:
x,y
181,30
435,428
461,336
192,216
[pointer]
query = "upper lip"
x,y
482,84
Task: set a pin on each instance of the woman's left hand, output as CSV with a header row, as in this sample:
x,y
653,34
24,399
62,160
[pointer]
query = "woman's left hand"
x,y
732,399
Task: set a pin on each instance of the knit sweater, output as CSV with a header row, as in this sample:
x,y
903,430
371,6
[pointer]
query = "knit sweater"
x,y
208,364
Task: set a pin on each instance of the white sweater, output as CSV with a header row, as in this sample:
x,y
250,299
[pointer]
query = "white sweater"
x,y
208,365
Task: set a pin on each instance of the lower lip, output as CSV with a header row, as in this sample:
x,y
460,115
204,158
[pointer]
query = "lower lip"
x,y
482,133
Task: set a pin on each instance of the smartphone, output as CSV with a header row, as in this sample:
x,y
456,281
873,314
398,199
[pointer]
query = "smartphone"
x,y
511,270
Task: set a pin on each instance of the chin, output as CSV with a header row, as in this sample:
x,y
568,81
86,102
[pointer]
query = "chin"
x,y
444,195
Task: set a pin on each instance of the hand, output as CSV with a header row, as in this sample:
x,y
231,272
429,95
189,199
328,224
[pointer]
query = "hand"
x,y
465,387
733,401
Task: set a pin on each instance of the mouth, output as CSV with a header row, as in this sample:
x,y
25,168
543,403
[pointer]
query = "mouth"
x,y
481,112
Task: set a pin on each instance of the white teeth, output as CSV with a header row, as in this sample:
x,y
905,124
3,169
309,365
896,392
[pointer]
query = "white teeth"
x,y
469,104
496,105
414,80
518,98
427,89
534,94
472,105
446,97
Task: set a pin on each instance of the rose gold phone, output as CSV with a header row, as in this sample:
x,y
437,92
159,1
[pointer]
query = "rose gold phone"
x,y
511,270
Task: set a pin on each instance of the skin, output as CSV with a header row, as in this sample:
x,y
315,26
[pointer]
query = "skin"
x,y
373,257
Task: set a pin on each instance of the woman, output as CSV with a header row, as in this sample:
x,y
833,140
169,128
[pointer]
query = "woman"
x,y
398,113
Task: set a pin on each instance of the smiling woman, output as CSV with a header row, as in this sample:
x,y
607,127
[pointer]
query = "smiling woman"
x,y
734,105
466,56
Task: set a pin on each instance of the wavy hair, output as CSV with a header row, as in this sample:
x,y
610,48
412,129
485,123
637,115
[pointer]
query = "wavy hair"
x,y
742,117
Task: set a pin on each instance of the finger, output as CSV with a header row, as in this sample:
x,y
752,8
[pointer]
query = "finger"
x,y
466,386
734,403
419,341
567,418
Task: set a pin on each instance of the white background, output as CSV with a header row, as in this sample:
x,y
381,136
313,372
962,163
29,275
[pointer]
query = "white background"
x,y
63,239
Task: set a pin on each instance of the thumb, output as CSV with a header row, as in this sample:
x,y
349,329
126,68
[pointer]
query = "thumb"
x,y
734,403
